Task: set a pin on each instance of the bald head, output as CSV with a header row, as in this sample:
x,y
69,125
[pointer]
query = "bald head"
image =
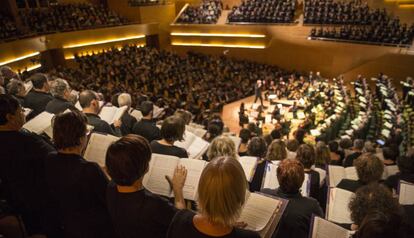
x,y
88,100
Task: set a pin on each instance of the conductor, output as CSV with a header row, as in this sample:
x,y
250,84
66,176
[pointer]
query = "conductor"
x,y
258,92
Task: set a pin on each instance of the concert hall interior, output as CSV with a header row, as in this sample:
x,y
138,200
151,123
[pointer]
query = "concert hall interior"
x,y
206,118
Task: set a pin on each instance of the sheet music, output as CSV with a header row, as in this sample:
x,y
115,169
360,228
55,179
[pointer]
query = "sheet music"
x,y
137,114
157,111
336,174
40,123
390,170
305,188
270,179
160,166
28,86
97,146
258,211
188,140
194,170
406,195
197,148
78,106
338,206
322,175
248,164
27,111
326,229
111,114
236,140
351,173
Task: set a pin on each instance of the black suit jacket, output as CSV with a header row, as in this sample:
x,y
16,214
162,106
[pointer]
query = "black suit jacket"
x,y
77,192
22,157
296,220
100,125
147,129
37,101
128,123
59,105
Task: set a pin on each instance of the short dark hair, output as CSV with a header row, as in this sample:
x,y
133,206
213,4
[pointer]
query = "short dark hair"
x,y
379,224
406,163
333,146
276,134
292,145
86,97
372,197
68,129
128,159
369,168
306,155
290,174
345,143
8,105
38,80
389,153
245,135
173,129
257,147
146,108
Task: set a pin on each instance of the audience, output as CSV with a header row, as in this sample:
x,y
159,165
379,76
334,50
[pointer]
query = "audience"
x,y
8,28
263,11
207,13
221,195
16,88
172,130
295,221
69,17
76,187
276,151
135,211
369,169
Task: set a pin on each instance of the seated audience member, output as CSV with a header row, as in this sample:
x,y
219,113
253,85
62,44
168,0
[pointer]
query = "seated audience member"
x,y
39,96
357,151
222,146
390,155
276,151
375,213
335,155
369,169
172,130
306,155
149,215
128,121
16,88
292,146
406,167
146,127
245,137
90,106
296,219
257,148
60,90
76,187
323,155
221,196
21,165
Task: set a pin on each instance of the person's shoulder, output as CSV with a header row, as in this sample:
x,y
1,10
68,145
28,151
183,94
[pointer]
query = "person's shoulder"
x,y
350,185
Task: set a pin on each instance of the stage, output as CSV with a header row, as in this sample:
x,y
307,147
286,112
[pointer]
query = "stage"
x,y
230,114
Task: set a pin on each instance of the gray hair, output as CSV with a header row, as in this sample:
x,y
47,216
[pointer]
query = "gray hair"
x,y
15,87
124,99
358,144
59,87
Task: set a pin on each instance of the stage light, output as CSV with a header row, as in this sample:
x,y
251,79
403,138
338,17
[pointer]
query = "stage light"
x,y
104,41
217,34
19,58
220,45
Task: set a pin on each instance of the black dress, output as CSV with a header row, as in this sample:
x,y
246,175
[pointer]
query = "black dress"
x,y
182,226
77,190
149,215
296,220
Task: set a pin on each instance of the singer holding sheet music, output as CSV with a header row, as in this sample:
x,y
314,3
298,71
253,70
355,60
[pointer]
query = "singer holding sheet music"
x,y
135,211
295,222
221,195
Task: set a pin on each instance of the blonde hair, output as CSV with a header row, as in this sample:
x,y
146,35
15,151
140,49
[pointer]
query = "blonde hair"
x,y
222,190
124,99
222,146
277,150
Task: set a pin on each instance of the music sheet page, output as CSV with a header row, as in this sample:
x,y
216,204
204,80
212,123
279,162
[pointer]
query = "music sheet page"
x,y
40,123
188,140
97,146
194,169
336,174
338,206
406,196
270,179
325,229
107,114
351,173
248,164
